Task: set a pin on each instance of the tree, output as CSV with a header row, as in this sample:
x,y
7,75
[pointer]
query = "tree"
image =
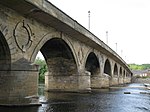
x,y
42,69
139,67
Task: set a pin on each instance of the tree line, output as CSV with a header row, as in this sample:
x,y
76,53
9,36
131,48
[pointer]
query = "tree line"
x,y
42,69
139,67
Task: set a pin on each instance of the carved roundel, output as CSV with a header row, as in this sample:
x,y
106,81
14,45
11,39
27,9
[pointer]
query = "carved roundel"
x,y
23,34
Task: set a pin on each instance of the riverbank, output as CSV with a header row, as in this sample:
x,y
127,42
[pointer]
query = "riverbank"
x,y
141,80
121,99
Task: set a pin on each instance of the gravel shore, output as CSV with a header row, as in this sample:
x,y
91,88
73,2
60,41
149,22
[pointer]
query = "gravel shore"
x,y
141,80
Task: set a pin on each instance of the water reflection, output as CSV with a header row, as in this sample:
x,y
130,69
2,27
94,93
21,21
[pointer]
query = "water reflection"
x,y
112,100
19,109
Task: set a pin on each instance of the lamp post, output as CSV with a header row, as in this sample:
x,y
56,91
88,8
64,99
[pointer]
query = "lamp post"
x,y
121,53
116,47
107,37
89,20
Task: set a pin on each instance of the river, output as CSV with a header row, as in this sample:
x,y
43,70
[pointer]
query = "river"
x,y
130,98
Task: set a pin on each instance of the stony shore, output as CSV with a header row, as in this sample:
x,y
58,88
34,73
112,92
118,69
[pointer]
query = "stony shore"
x,y
141,80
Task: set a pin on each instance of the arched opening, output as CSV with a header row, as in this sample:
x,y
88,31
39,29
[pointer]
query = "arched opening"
x,y
40,61
59,57
56,57
60,64
124,74
5,67
5,58
120,72
127,74
107,67
92,64
115,70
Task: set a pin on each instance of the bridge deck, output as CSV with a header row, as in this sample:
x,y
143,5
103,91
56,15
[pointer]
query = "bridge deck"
x,y
45,12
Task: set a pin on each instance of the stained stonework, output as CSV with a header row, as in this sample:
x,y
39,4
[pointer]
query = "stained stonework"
x,y
33,26
23,35
16,85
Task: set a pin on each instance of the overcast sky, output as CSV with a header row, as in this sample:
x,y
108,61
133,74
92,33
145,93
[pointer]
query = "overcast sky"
x,y
127,23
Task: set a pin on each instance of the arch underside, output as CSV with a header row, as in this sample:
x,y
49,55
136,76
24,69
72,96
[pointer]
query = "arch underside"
x,y
92,64
5,67
124,73
115,70
5,58
120,72
59,57
107,68
62,68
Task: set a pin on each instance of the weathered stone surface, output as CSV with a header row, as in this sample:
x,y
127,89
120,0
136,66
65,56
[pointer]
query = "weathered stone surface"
x,y
141,80
27,27
121,80
114,81
15,85
61,83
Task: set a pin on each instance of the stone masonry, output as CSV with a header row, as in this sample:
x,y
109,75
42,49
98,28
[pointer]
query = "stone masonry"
x,y
77,60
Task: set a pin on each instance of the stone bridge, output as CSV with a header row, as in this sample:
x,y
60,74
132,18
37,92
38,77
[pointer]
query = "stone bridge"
x,y
77,60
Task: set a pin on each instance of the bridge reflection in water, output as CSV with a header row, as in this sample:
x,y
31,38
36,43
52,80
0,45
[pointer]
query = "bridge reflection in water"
x,y
106,100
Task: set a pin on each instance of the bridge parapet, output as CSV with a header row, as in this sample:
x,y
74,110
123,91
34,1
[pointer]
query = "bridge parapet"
x,y
42,10
76,58
76,30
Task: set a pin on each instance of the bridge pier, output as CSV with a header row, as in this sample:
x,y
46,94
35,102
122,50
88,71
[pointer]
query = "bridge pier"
x,y
121,80
60,82
76,59
114,81
15,85
5,82
84,81
72,83
98,82
127,80
95,82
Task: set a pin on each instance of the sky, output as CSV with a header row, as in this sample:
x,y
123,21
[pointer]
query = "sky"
x,y
127,23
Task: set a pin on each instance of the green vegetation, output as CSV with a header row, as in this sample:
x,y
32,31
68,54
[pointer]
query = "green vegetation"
x,y
142,77
42,69
145,77
139,67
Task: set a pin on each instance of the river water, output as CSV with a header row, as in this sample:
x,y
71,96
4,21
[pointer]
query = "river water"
x,y
115,99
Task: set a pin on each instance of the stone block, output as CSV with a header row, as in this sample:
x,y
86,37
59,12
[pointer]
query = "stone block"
x,y
18,84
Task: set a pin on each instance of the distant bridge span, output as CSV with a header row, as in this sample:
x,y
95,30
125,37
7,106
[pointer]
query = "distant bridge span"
x,y
77,60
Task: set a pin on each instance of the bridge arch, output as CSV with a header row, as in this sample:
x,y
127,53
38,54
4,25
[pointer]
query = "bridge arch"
x,y
64,46
127,74
62,67
107,67
124,73
120,72
5,55
59,57
92,64
115,70
63,72
5,67
48,37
